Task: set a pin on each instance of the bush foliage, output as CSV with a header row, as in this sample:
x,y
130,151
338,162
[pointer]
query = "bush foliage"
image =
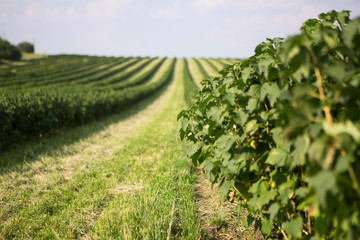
x,y
26,47
9,51
281,129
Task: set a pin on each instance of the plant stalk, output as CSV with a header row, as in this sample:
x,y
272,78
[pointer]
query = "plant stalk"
x,y
326,108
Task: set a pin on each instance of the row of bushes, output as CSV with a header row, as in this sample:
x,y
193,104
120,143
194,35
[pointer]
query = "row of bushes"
x,y
38,113
281,130
10,52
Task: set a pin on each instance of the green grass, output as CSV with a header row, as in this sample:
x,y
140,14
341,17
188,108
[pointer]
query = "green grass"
x,y
30,56
103,187
162,203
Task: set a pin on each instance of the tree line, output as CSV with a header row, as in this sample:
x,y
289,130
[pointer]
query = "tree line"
x,y
11,52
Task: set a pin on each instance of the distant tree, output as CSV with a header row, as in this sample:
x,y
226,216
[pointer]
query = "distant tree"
x,y
26,47
9,51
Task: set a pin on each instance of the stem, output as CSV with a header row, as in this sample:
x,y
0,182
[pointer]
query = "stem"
x,y
200,141
171,220
306,233
309,221
302,171
291,81
330,157
354,179
247,137
267,109
326,108
267,122
283,233
293,205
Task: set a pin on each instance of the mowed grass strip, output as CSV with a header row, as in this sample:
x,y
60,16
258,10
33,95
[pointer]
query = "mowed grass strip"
x,y
156,200
34,171
225,61
29,171
196,73
217,64
165,66
74,207
208,67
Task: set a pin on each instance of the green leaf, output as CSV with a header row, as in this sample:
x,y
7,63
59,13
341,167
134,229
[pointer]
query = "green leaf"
x,y
350,32
294,227
251,126
334,129
343,17
181,114
246,73
278,178
273,210
273,93
278,157
277,135
225,185
343,163
192,148
301,192
253,105
323,182
242,117
266,197
254,91
225,142
301,145
259,201
230,165
265,226
264,64
218,114
184,124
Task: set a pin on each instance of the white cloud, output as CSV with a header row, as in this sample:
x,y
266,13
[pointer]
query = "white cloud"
x,y
36,11
106,9
245,22
72,13
209,4
256,5
4,10
32,10
92,10
171,13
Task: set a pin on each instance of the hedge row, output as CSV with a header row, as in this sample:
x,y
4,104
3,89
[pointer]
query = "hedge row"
x,y
38,113
281,130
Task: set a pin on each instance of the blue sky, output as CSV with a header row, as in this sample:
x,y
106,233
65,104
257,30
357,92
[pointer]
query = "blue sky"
x,y
181,28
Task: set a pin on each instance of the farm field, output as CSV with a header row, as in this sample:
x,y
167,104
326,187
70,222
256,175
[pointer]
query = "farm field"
x,y
158,148
121,174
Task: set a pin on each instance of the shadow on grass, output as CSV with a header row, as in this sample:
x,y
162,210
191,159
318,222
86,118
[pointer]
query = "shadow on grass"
x,y
18,156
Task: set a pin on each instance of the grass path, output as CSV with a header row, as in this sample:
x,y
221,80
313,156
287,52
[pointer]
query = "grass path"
x,y
218,217
218,64
156,199
127,180
208,67
33,173
195,71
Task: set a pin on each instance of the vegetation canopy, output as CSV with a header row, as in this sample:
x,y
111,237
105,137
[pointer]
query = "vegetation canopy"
x,y
281,130
26,47
9,51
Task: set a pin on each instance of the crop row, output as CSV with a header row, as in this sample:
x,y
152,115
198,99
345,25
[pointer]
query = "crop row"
x,y
33,113
280,131
54,72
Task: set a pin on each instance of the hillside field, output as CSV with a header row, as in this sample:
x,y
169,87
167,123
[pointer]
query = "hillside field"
x,y
90,150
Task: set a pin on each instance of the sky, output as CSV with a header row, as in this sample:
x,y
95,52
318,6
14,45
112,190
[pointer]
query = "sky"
x,y
163,28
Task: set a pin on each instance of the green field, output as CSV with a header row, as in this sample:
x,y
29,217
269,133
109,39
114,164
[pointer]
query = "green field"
x,y
90,149
158,148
